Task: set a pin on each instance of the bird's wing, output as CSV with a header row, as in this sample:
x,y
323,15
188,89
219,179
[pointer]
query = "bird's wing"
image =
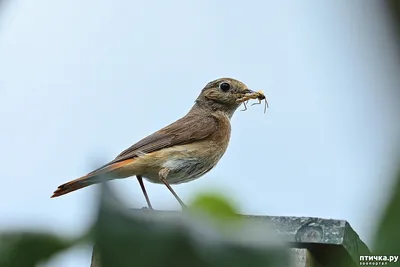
x,y
188,129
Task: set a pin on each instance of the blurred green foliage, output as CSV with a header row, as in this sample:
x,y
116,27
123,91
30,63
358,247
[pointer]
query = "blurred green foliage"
x,y
126,237
30,248
215,205
387,237
145,238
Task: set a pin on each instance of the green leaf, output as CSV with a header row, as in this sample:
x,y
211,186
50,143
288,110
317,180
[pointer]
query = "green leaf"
x,y
143,238
216,205
387,237
26,249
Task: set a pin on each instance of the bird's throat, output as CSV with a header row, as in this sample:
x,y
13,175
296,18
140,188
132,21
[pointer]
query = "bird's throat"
x,y
208,106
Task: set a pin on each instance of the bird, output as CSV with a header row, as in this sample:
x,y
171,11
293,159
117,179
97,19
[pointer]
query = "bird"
x,y
182,151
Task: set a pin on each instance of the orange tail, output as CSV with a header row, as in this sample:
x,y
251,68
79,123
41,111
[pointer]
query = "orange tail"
x,y
94,177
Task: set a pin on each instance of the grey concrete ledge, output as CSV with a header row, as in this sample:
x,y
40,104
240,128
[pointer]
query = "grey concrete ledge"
x,y
331,242
303,258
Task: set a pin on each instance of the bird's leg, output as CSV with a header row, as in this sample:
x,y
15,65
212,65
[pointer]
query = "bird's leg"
x,y
162,174
140,180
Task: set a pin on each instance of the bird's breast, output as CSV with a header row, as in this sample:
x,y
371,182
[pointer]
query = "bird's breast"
x,y
185,162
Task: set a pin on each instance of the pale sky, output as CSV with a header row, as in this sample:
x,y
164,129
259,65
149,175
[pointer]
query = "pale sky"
x,y
83,80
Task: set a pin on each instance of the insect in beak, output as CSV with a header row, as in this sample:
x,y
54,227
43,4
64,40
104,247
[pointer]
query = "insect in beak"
x,y
254,95
260,97
245,105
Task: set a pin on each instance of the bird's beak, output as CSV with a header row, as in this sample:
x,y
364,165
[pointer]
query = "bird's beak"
x,y
248,92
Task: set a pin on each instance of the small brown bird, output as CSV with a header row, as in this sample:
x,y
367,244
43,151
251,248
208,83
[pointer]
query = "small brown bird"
x,y
182,151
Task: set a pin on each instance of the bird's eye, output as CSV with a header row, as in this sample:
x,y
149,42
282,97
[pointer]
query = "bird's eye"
x,y
225,87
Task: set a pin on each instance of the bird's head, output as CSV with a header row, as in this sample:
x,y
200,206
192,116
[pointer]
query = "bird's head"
x,y
225,94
